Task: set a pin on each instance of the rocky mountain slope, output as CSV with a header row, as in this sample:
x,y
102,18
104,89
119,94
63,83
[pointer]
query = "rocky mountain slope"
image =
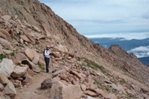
x,y
79,69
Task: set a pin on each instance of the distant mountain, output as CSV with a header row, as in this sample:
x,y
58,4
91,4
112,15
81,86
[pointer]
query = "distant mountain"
x,y
127,45
144,60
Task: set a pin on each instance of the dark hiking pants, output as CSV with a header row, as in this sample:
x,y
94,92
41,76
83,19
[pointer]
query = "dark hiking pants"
x,y
47,60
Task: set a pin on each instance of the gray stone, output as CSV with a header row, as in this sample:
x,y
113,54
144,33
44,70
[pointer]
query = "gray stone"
x,y
6,67
46,84
6,18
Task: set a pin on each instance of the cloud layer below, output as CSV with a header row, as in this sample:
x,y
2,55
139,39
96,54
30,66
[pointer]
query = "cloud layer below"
x,y
142,51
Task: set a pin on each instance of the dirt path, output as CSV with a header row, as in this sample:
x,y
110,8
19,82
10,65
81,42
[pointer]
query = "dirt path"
x,y
32,90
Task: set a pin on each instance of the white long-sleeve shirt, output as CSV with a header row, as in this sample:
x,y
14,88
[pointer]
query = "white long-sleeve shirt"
x,y
47,53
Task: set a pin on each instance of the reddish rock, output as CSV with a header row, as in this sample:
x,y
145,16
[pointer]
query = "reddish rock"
x,y
32,55
5,43
1,87
4,80
25,38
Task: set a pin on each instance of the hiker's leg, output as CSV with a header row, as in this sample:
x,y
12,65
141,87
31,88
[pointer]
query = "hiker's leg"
x,y
47,64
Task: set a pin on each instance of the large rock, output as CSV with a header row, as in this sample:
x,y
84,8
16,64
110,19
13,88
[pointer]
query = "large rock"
x,y
4,80
25,38
19,71
61,48
32,55
4,34
10,90
1,87
6,67
72,91
5,43
32,66
62,91
46,83
6,18
20,57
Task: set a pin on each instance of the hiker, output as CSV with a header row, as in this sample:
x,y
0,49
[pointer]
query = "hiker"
x,y
47,57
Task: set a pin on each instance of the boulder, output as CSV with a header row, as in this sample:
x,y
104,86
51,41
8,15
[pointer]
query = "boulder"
x,y
47,83
72,91
6,18
19,71
1,87
91,93
5,43
62,91
32,66
56,54
32,55
60,71
36,35
4,80
62,48
25,38
4,34
83,87
20,57
36,28
6,67
10,90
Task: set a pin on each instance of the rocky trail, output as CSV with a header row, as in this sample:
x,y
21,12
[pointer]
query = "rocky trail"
x,y
32,90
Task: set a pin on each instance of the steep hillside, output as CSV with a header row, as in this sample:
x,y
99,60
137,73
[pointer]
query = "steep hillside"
x,y
51,25
78,69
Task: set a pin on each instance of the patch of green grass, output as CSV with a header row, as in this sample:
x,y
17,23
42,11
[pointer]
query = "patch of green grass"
x,y
95,66
12,54
100,84
130,96
40,66
2,56
122,81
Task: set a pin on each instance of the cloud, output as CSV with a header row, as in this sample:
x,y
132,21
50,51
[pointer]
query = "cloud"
x,y
124,36
142,51
102,16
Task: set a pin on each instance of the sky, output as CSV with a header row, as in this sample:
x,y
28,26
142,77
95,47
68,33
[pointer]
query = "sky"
x,y
95,17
